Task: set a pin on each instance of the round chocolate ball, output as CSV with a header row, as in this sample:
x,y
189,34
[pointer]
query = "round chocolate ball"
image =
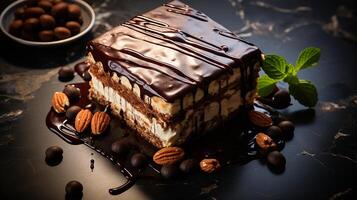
x,y
66,73
74,11
33,12
120,148
31,24
20,13
169,171
54,155
45,5
274,132
138,160
16,27
62,33
276,160
47,21
73,93
281,99
287,127
74,188
72,112
87,76
189,165
74,27
60,10
46,35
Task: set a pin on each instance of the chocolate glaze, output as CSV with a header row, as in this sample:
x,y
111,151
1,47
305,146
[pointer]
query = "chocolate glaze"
x,y
232,143
172,50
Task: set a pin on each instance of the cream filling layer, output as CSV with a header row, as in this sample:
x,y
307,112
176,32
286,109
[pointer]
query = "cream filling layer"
x,y
167,136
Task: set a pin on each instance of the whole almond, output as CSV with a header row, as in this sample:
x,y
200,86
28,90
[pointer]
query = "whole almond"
x,y
83,120
260,119
265,142
210,165
59,102
168,155
100,122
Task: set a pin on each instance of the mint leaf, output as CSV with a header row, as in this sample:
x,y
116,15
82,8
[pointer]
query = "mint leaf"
x,y
304,92
265,85
291,79
307,58
275,66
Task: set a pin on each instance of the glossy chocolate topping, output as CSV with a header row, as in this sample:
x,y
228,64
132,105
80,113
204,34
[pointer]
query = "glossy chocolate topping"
x,y
171,51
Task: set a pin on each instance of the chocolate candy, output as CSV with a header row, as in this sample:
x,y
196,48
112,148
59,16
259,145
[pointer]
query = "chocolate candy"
x,y
74,27
74,189
66,73
31,24
276,160
47,21
274,132
53,155
287,127
120,148
169,171
62,33
74,12
72,111
60,10
20,13
33,12
45,4
46,35
87,76
281,99
138,160
16,27
189,165
73,93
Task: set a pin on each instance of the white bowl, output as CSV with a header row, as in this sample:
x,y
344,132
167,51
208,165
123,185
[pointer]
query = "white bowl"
x,y
7,16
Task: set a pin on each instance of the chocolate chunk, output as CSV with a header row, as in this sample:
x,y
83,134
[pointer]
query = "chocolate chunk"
x,y
138,160
120,148
287,127
276,160
65,74
274,132
72,92
189,165
169,171
82,67
87,76
72,111
54,155
281,99
74,189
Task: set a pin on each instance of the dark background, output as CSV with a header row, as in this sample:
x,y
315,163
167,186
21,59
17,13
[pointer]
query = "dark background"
x,y
321,158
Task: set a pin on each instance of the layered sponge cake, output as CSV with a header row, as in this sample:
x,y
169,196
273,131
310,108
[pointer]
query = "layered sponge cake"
x,y
173,73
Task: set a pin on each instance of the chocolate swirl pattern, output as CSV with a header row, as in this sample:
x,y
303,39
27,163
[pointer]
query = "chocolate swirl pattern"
x,y
172,50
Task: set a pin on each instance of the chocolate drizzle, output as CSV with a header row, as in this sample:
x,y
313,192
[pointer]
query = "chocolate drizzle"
x,y
172,50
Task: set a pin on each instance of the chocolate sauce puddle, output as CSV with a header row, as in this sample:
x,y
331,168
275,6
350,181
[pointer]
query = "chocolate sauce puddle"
x,y
232,143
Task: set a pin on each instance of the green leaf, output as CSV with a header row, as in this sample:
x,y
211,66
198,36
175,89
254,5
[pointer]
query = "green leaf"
x,y
307,58
304,92
291,79
275,66
266,85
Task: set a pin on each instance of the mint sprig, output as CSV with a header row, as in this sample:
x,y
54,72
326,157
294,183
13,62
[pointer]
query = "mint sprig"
x,y
278,69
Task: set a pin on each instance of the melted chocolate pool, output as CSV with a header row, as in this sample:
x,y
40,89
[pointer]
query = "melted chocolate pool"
x,y
232,143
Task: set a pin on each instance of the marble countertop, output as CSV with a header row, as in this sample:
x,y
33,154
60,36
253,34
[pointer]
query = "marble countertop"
x,y
321,157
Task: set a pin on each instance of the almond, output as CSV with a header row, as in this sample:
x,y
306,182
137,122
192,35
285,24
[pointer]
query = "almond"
x,y
209,165
59,102
260,119
100,122
168,155
265,142
83,120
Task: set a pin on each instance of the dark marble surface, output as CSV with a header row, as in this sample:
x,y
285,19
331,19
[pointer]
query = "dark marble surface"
x,y
321,157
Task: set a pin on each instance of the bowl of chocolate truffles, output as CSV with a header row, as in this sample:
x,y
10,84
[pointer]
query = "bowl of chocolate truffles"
x,y
46,22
